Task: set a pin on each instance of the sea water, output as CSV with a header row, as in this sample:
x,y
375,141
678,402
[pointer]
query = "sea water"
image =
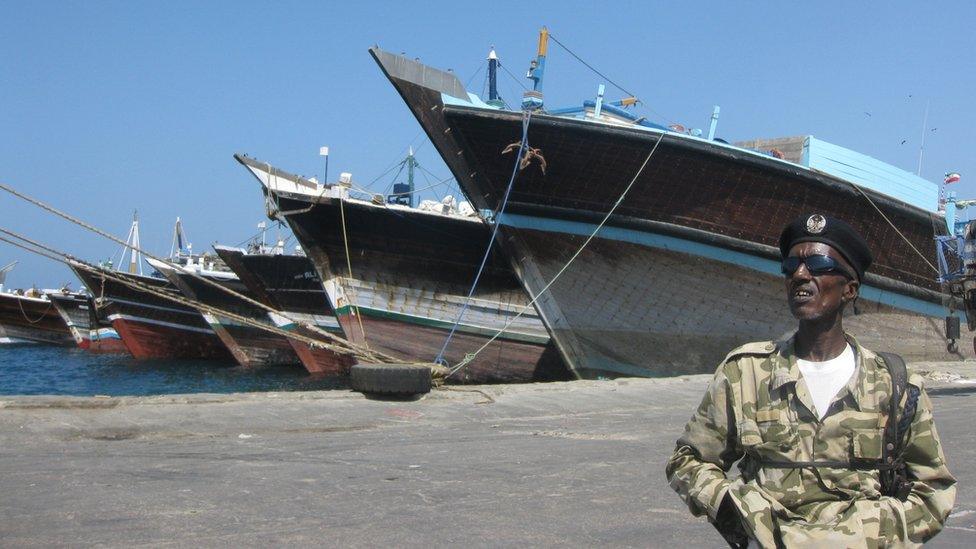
x,y
45,370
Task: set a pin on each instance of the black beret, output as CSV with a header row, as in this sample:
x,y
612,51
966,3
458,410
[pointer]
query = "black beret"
x,y
829,230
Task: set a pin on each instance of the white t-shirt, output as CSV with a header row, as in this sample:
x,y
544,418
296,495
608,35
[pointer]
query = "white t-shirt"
x,y
826,379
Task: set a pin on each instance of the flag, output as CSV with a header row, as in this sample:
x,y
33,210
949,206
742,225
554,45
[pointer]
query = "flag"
x,y
952,177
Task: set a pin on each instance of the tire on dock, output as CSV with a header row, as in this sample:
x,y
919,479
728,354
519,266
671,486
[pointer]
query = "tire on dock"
x,y
390,379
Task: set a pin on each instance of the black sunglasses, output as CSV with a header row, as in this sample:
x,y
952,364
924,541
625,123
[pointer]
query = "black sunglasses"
x,y
816,264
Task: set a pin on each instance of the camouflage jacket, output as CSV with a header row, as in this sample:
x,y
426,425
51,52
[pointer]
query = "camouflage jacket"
x,y
758,411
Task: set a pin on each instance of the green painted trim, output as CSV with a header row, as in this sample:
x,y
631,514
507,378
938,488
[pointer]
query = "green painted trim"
x,y
431,323
331,329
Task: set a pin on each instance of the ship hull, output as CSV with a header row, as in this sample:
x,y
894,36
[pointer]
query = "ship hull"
x,y
152,327
27,320
147,338
251,346
316,360
291,285
411,272
719,208
697,304
90,333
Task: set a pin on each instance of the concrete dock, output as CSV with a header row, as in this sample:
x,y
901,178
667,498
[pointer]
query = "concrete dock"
x,y
577,464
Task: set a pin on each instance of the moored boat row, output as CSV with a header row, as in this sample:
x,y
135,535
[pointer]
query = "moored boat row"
x,y
591,243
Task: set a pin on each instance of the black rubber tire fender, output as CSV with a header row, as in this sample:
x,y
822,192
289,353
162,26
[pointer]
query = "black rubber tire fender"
x,y
390,379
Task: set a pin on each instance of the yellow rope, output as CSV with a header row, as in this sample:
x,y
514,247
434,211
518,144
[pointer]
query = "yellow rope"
x,y
345,241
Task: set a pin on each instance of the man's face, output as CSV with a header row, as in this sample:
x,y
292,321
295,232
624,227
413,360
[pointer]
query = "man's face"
x,y
812,297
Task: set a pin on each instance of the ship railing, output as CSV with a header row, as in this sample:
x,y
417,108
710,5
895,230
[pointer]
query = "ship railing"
x,y
957,258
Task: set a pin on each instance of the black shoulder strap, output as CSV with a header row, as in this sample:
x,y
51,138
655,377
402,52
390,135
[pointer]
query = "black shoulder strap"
x,y
895,365
893,481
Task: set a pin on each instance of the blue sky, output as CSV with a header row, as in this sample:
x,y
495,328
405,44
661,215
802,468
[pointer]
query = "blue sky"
x,y
109,107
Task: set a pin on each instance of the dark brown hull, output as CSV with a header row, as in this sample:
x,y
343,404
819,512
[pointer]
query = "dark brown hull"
x,y
318,360
28,320
150,340
697,211
411,272
291,285
250,346
523,362
90,330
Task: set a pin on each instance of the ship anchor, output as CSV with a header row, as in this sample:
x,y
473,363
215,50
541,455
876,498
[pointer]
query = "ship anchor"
x,y
530,154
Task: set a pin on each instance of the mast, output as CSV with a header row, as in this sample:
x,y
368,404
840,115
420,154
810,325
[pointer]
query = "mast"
x,y
493,99
3,273
179,240
132,247
135,256
533,99
411,164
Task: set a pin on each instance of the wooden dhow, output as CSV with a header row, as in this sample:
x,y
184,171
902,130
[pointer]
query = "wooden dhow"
x,y
683,264
250,345
89,326
151,326
29,317
403,284
291,285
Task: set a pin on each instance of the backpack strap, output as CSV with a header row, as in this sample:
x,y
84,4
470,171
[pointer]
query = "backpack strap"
x,y
893,479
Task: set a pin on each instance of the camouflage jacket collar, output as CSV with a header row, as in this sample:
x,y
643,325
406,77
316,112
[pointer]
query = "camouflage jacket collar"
x,y
786,370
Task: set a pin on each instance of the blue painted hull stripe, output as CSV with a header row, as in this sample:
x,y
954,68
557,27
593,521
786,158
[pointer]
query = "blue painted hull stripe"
x,y
740,259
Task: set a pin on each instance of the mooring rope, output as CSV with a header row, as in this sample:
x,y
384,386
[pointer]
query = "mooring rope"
x,y
523,144
170,296
20,303
344,347
345,242
601,75
471,356
327,335
903,237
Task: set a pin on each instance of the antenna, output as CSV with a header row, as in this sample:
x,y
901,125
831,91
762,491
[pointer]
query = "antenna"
x,y
921,147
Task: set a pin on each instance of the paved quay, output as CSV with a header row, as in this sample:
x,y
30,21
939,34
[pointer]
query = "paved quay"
x,y
577,464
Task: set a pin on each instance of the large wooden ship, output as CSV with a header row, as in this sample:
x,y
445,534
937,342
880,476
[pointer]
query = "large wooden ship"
x,y
150,325
290,284
686,267
404,282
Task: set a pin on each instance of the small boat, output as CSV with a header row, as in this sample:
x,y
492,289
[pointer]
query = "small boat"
x,y
664,238
411,270
290,284
89,326
251,346
29,317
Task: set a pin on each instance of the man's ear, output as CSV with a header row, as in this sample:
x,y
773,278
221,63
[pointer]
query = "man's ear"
x,y
851,290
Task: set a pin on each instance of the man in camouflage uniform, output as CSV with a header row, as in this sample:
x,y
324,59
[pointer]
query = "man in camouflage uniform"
x,y
810,478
